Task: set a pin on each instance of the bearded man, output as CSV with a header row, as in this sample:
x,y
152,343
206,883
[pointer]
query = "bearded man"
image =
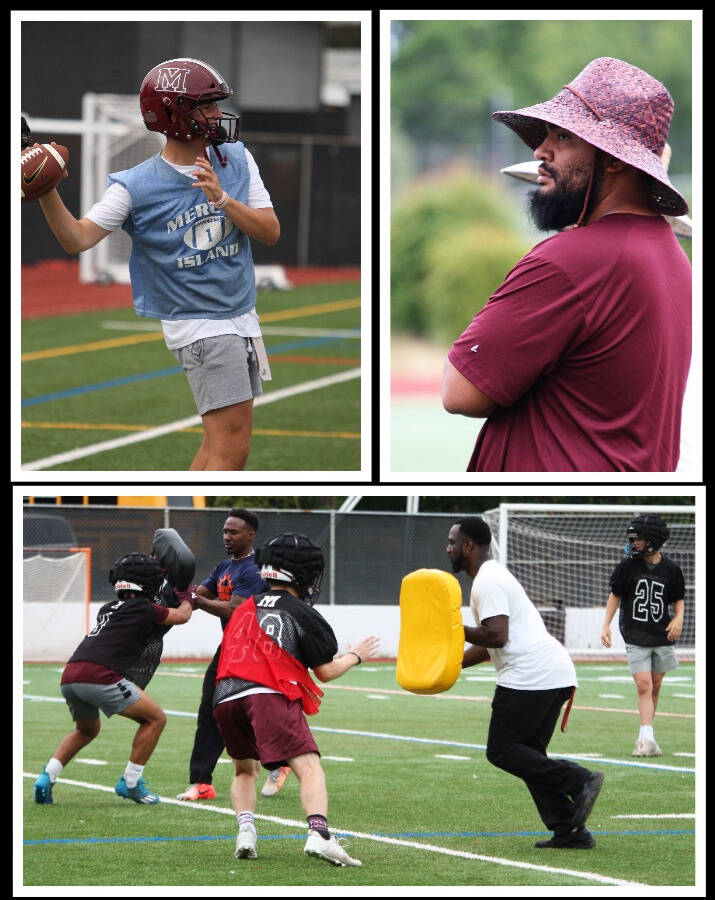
x,y
579,360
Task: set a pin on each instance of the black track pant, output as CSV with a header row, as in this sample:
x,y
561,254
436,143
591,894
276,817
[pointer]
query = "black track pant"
x,y
521,727
208,743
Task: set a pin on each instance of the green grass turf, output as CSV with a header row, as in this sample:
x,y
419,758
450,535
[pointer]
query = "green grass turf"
x,y
331,414
403,790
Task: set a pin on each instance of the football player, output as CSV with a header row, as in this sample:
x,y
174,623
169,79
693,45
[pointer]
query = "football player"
x,y
262,696
191,211
645,585
95,676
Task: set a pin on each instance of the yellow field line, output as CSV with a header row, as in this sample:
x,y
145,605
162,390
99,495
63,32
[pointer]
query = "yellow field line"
x,y
265,432
111,343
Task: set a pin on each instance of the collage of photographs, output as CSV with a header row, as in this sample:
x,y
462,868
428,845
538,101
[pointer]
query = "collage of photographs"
x,y
410,304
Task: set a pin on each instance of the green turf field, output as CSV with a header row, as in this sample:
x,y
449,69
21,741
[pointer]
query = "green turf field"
x,y
409,787
107,376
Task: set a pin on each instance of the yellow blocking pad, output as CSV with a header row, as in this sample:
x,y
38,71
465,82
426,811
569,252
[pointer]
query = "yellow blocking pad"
x,y
431,647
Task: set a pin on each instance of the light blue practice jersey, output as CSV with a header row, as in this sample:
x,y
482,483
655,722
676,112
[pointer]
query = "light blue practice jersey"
x,y
188,260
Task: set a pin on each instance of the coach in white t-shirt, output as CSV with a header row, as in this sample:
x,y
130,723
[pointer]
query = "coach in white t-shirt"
x,y
535,676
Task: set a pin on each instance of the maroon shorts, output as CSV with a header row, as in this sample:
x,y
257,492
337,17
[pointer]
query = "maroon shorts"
x,y
268,727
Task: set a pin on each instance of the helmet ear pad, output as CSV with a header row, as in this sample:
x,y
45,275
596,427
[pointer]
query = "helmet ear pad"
x,y
650,528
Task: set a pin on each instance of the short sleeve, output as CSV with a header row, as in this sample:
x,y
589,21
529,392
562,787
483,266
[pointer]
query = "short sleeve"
x,y
520,335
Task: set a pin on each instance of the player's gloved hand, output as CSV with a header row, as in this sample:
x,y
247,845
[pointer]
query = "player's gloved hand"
x,y
189,594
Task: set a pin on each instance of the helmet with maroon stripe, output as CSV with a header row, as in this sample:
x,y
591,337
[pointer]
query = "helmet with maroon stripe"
x,y
171,96
292,558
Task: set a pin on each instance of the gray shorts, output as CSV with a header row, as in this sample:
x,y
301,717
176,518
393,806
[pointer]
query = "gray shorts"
x,y
85,700
222,370
651,659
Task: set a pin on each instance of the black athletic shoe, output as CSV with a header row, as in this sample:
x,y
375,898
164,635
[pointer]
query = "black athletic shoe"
x,y
586,797
578,839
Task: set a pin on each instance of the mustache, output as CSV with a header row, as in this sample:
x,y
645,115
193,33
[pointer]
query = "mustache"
x,y
547,171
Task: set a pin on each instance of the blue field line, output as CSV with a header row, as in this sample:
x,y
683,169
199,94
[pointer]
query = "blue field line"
x,y
599,760
664,832
159,373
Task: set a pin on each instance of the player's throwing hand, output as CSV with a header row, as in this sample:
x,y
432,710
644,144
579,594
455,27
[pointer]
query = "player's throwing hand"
x,y
207,180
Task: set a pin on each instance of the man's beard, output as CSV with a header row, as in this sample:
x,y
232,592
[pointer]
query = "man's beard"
x,y
562,205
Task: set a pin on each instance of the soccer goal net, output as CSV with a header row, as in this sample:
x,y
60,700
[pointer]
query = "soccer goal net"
x,y
56,597
564,554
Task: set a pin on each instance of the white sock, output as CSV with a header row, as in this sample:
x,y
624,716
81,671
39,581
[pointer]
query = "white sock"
x,y
53,769
646,733
245,819
132,774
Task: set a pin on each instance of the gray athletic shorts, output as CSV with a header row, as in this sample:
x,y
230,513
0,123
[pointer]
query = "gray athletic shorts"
x,y
222,370
85,700
651,659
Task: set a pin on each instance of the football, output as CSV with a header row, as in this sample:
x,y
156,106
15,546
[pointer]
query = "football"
x,y
43,166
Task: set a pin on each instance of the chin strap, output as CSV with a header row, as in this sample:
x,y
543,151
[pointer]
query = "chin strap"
x,y
218,153
588,191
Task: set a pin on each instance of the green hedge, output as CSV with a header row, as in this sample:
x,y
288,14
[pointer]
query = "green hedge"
x,y
452,243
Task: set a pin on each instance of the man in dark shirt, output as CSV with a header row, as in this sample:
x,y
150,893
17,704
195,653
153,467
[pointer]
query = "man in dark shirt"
x,y
264,691
645,584
95,678
230,582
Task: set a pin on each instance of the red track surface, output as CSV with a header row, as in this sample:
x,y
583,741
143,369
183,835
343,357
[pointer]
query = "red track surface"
x,y
52,288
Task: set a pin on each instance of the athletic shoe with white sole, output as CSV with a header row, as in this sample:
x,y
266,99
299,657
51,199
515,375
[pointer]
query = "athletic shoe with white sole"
x,y
275,781
646,748
317,846
139,794
246,843
198,792
43,789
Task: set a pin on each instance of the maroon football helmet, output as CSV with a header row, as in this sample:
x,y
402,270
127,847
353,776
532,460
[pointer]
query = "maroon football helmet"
x,y
169,99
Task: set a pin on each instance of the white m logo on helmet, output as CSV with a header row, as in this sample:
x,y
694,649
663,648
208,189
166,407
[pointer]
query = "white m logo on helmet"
x,y
171,79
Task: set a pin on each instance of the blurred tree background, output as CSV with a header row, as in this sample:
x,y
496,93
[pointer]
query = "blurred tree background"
x,y
458,225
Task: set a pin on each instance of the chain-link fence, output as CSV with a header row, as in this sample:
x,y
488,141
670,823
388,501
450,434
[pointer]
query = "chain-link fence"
x,y
367,554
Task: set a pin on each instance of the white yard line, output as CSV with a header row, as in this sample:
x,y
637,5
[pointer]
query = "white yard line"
x,y
71,455
398,842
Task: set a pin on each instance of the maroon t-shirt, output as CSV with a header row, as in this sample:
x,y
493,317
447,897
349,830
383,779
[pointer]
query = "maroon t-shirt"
x,y
586,349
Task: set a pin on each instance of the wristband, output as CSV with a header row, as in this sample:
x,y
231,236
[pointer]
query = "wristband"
x,y
221,202
354,653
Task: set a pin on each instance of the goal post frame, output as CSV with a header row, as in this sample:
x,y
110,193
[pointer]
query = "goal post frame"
x,y
88,573
503,539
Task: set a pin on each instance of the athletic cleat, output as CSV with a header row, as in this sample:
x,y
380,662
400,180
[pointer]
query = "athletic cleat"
x,y
43,789
586,797
139,794
646,748
246,843
576,839
329,850
275,781
198,792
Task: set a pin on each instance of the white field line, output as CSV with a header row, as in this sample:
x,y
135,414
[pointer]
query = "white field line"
x,y
418,740
190,422
415,845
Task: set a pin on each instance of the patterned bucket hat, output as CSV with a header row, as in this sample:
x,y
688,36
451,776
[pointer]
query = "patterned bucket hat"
x,y
617,108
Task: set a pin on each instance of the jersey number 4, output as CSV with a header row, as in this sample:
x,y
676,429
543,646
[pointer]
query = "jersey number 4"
x,y
648,601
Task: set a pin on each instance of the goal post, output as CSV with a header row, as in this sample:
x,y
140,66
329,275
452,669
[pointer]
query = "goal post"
x,y
564,554
57,592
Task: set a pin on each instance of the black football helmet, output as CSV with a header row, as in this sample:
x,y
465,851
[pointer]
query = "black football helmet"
x,y
293,559
650,528
137,574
